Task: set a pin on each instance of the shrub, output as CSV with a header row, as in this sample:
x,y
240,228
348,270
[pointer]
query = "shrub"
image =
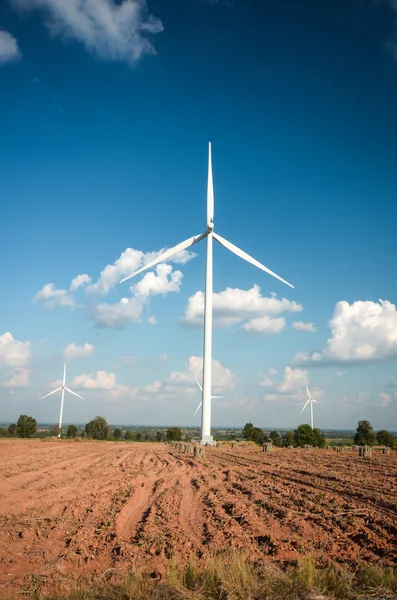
x,y
71,431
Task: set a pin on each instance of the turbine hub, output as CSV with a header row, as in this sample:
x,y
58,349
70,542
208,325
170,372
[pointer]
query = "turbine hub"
x,y
211,225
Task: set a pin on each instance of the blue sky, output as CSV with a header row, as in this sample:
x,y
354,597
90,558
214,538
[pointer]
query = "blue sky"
x,y
106,110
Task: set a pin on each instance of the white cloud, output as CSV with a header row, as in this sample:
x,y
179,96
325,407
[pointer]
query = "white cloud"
x,y
302,326
361,332
79,281
165,280
119,315
152,320
104,381
222,377
153,388
73,351
101,381
9,51
233,306
385,399
291,389
52,297
264,325
13,353
184,382
128,262
113,30
19,378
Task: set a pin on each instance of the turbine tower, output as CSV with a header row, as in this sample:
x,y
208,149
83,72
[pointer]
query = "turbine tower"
x,y
311,400
63,388
210,235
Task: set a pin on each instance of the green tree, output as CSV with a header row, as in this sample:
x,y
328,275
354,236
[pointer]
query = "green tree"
x,y
385,438
12,429
253,434
174,434
276,439
117,434
159,436
71,431
139,436
364,435
97,429
304,434
26,426
128,435
248,430
288,439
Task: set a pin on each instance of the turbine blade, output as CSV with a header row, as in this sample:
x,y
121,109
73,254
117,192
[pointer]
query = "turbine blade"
x,y
247,257
50,394
217,396
167,254
64,373
316,401
197,408
210,188
305,406
199,384
307,389
74,393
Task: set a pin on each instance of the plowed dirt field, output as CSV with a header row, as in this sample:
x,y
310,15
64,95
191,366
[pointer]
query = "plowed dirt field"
x,y
69,510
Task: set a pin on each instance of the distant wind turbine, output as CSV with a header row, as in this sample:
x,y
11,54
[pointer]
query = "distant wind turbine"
x,y
63,388
201,389
311,400
209,234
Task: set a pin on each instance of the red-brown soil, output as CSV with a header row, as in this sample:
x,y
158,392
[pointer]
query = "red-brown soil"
x,y
72,510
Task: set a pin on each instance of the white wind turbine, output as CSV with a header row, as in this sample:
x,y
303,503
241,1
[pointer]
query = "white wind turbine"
x,y
63,388
311,400
209,234
201,389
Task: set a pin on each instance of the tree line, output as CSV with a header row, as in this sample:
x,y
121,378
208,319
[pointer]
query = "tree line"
x,y
305,435
98,429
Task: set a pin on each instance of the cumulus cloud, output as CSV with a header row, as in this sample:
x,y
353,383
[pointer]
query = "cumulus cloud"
x,y
264,325
302,326
291,389
104,381
153,388
129,310
120,314
19,378
234,306
361,332
152,320
165,280
114,30
222,378
128,262
385,399
13,353
79,281
73,351
184,382
53,297
9,51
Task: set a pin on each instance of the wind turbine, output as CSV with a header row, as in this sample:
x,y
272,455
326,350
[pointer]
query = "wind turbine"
x,y
63,388
311,400
209,234
201,389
